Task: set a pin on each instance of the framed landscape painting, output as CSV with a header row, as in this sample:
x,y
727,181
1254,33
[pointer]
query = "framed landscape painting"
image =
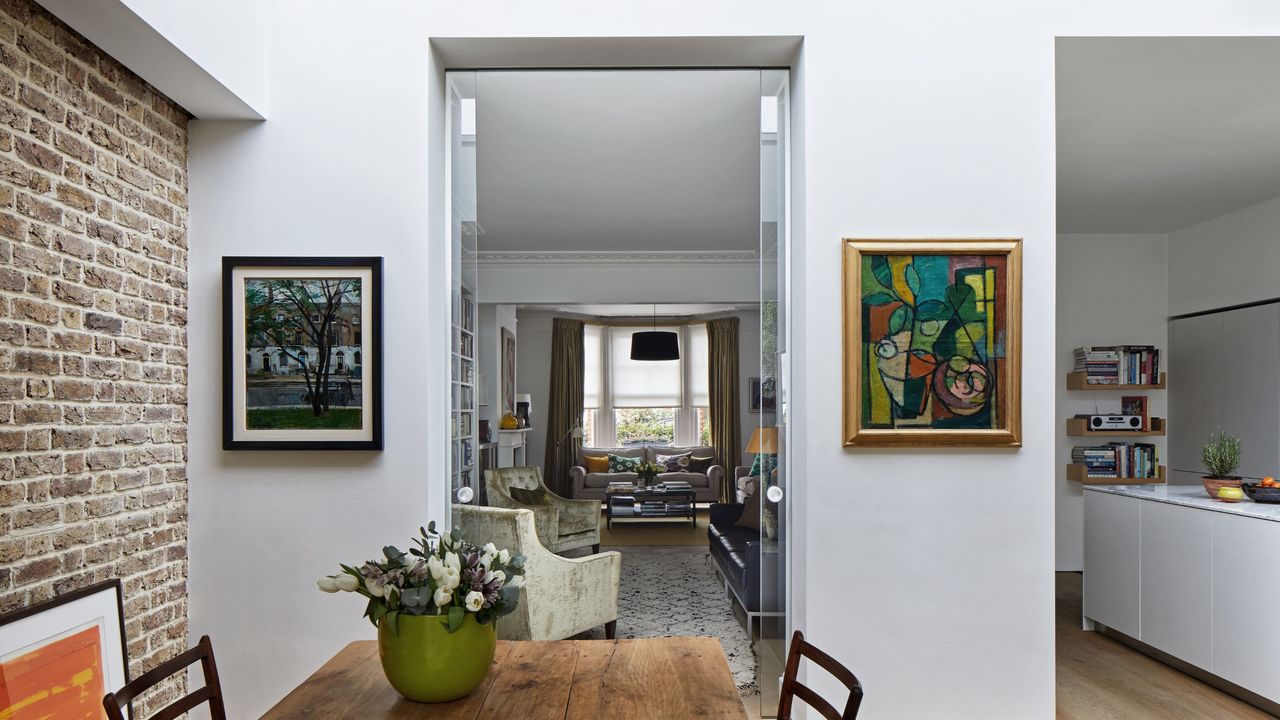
x,y
932,343
302,353
59,658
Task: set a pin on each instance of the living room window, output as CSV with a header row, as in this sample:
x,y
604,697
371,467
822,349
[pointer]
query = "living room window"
x,y
631,402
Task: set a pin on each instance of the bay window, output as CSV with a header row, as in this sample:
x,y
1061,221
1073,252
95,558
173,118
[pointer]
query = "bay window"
x,y
632,402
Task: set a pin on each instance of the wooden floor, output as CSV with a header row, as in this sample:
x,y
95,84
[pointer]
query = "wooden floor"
x,y
1101,678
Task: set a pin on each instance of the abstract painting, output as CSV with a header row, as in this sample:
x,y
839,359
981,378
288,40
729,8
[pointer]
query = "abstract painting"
x,y
59,658
932,336
303,358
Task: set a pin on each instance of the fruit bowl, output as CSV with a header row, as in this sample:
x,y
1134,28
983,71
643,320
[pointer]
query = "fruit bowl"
x,y
1258,493
1212,485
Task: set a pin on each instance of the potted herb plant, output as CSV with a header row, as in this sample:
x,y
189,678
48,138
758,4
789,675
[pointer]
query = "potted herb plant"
x,y
436,608
1221,458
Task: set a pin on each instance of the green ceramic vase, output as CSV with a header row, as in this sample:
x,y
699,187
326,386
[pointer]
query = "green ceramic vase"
x,y
427,663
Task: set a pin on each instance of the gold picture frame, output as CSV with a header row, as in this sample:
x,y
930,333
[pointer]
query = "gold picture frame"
x,y
932,346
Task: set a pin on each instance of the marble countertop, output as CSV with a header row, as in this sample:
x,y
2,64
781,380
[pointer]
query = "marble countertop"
x,y
1191,496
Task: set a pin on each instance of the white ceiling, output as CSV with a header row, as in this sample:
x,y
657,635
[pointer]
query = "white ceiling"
x,y
584,161
1155,134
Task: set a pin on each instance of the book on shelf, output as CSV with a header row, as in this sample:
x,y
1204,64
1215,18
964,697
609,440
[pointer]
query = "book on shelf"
x,y
1118,460
1118,364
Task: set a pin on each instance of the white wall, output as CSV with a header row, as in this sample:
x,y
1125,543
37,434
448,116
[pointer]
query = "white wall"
x,y
926,119
533,376
1112,290
570,281
1226,261
491,319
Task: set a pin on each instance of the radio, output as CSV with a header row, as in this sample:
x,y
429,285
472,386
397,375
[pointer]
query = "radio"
x,y
1115,422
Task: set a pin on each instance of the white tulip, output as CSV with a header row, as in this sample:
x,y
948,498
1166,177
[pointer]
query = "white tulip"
x,y
347,583
516,581
504,556
490,549
498,575
435,567
451,560
451,577
328,584
486,560
376,588
442,597
474,601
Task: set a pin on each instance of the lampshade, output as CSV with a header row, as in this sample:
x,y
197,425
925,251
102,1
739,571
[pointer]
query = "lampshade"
x,y
764,440
655,345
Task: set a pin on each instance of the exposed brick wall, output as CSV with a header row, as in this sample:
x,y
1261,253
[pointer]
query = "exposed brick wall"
x,y
93,314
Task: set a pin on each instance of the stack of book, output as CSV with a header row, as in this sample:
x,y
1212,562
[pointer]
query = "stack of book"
x,y
1123,460
1119,364
615,486
651,507
676,485
679,508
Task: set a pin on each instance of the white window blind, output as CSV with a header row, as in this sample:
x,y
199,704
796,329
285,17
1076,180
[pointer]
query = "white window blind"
x,y
593,366
641,384
699,384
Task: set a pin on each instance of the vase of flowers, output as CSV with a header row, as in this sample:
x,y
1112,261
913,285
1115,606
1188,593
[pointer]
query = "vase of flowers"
x,y
647,473
436,608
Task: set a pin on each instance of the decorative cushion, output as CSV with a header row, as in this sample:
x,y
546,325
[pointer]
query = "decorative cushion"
x,y
597,464
524,496
635,452
619,464
700,464
750,512
674,463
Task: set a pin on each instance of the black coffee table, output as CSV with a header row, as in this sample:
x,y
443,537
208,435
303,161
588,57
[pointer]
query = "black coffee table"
x,y
650,503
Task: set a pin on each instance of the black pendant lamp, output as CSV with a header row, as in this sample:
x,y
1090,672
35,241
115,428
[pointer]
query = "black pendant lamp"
x,y
655,345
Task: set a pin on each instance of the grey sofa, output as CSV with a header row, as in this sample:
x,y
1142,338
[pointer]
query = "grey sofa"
x,y
591,486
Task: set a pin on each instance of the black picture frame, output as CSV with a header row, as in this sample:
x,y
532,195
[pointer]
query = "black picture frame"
x,y
114,585
233,436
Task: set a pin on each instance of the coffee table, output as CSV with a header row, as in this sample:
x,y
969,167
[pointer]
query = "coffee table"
x,y
654,503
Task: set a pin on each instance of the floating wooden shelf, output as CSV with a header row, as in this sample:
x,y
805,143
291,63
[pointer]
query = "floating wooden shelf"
x,y
1078,473
1079,427
1077,381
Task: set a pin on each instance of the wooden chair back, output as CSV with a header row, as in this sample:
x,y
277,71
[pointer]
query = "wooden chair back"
x,y
116,702
792,689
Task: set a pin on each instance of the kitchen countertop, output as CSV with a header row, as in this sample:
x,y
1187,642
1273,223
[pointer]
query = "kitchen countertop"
x,y
1191,496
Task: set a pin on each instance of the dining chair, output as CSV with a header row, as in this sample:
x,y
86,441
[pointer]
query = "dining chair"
x,y
116,702
791,688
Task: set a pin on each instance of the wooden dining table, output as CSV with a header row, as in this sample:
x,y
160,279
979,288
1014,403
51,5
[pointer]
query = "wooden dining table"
x,y
645,679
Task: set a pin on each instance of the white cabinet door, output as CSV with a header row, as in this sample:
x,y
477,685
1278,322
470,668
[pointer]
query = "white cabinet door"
x,y
1176,581
1246,589
1111,528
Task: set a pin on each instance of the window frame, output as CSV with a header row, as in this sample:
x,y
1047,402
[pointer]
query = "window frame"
x,y
603,419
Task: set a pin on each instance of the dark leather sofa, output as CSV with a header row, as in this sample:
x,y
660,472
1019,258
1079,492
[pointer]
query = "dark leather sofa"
x,y
737,552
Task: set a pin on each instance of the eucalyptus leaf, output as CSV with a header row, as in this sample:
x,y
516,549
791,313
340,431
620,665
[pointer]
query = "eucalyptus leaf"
x,y
456,616
393,618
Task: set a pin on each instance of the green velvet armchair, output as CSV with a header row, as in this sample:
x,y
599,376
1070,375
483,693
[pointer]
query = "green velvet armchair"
x,y
562,596
562,524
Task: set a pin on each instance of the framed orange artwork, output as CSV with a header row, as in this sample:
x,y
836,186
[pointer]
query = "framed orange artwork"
x,y
58,658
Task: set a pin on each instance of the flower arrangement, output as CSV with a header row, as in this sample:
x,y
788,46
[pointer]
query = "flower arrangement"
x,y
441,576
647,472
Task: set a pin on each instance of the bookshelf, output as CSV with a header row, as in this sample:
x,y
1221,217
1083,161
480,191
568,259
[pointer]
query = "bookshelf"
x,y
463,461
1122,370
1078,473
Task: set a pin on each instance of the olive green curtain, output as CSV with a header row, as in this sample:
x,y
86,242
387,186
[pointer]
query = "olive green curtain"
x,y
722,366
564,403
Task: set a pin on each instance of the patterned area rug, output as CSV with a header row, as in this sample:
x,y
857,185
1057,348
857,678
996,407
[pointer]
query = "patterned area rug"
x,y
674,591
